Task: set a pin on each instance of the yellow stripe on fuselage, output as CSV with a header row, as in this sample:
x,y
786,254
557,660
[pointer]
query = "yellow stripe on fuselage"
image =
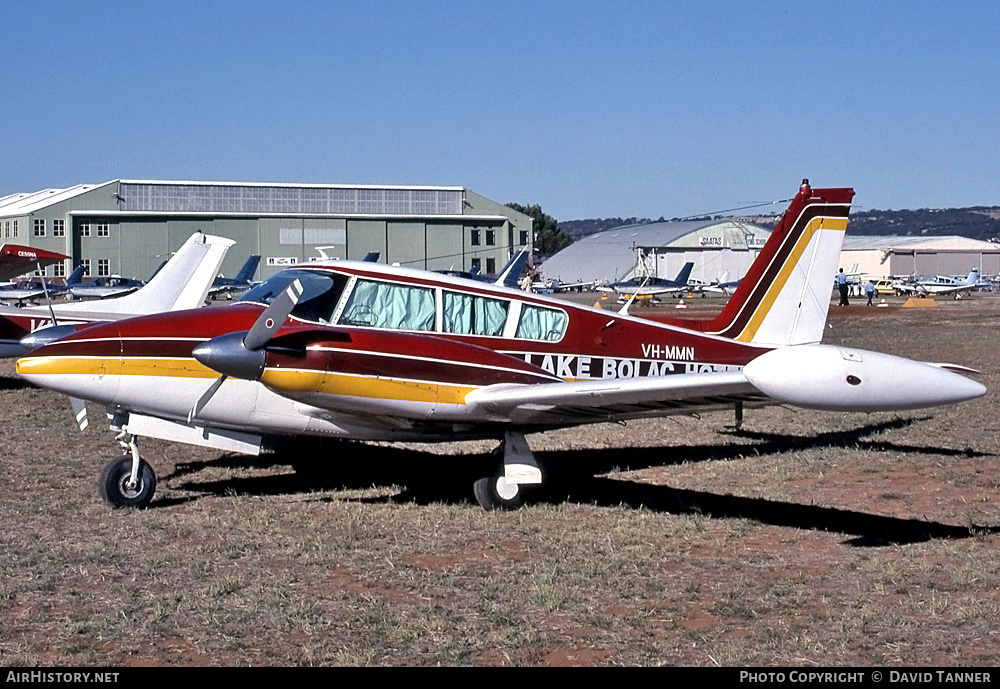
x,y
88,365
293,380
330,383
815,225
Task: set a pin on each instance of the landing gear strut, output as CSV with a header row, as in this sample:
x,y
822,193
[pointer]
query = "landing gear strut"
x,y
504,492
127,481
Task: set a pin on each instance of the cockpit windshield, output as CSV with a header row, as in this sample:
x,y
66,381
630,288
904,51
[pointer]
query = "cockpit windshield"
x,y
321,291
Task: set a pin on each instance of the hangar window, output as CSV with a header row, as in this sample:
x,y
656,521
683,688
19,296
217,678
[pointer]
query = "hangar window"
x,y
103,228
39,227
85,229
475,238
86,266
103,267
523,238
491,266
491,237
58,228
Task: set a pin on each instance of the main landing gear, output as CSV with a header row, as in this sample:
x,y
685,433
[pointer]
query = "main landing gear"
x,y
127,481
504,492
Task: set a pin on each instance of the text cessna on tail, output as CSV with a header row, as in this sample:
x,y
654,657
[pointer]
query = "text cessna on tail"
x,y
367,351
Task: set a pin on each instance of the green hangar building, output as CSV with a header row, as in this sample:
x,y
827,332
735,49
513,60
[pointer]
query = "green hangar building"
x,y
129,227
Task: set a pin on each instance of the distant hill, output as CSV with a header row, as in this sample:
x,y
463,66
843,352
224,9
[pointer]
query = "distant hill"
x,y
978,222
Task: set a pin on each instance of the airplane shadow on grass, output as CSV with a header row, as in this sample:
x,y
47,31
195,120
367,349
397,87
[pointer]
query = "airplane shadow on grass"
x,y
11,383
579,476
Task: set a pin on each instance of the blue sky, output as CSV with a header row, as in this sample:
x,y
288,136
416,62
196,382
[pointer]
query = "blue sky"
x,y
590,109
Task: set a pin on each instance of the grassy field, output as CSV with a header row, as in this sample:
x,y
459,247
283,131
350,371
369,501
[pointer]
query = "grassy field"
x,y
808,539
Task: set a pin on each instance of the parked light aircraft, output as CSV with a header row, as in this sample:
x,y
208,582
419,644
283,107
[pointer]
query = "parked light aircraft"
x,y
20,294
228,287
723,285
376,352
18,259
940,284
105,287
651,287
182,283
508,276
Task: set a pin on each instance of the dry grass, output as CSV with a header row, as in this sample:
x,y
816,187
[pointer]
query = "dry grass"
x,y
811,539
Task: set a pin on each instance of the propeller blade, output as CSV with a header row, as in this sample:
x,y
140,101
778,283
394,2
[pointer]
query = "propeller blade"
x,y
273,317
205,397
80,412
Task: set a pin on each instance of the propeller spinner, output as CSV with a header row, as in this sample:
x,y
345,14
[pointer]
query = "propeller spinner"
x,y
242,354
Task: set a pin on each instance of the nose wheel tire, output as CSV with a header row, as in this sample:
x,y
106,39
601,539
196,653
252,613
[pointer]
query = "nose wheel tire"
x,y
115,483
497,493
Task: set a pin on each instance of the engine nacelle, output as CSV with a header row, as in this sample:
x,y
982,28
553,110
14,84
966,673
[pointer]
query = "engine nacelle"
x,y
836,378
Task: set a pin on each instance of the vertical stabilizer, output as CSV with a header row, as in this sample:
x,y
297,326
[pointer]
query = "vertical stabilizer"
x,y
182,283
785,296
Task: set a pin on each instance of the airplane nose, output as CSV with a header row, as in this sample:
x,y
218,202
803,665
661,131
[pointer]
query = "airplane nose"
x,y
44,336
228,355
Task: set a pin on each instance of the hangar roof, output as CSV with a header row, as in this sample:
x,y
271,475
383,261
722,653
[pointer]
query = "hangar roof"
x,y
922,243
610,255
29,202
149,195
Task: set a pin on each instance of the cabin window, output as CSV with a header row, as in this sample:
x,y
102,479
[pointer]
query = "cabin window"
x,y
386,305
470,314
539,323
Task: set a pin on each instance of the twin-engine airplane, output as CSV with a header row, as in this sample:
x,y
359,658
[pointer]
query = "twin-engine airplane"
x,y
376,352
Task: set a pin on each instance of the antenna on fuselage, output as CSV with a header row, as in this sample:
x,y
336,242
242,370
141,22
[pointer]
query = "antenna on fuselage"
x,y
48,299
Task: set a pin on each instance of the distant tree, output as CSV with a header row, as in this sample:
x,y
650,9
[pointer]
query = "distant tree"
x,y
548,237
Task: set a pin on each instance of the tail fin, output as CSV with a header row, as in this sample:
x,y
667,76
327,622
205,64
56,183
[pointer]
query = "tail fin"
x,y
511,272
182,283
76,277
248,269
682,277
785,296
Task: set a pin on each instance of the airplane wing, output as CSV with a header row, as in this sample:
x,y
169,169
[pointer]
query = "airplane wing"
x,y
16,259
616,398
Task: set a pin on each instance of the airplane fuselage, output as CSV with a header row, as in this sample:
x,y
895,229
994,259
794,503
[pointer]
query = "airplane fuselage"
x,y
447,337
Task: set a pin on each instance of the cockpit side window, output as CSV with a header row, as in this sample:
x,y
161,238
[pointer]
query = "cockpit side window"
x,y
321,291
391,306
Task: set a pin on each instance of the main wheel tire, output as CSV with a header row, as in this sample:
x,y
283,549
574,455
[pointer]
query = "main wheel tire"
x,y
497,493
114,481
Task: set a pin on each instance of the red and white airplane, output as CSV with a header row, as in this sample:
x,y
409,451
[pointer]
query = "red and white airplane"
x,y
376,352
